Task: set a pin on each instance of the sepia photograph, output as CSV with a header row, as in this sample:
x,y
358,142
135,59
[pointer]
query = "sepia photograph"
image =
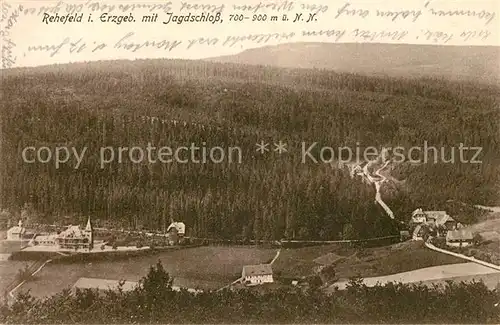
x,y
265,162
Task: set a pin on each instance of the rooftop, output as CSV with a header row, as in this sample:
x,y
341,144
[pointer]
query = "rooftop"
x,y
462,234
254,270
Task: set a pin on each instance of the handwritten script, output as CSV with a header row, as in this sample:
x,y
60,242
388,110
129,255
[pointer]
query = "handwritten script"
x,y
55,32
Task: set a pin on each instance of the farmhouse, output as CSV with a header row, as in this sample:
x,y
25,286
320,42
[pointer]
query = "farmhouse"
x,y
432,216
16,232
459,238
257,274
446,221
404,235
419,217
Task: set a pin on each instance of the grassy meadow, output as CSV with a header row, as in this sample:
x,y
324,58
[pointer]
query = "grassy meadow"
x,y
202,267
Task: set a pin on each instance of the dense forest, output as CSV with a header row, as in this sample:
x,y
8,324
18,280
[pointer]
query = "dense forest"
x,y
154,301
266,196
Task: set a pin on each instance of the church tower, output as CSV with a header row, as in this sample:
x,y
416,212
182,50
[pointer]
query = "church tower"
x,y
90,231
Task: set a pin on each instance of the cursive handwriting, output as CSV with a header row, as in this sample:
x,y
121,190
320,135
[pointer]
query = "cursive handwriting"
x,y
8,57
159,26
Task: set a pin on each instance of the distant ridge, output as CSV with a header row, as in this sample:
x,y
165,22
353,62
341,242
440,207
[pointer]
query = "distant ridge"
x,y
472,63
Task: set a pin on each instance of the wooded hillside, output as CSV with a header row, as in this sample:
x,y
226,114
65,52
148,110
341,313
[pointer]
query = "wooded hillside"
x,y
267,196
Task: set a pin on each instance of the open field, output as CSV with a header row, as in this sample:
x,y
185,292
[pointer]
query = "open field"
x,y
201,267
367,262
8,247
492,223
436,275
8,272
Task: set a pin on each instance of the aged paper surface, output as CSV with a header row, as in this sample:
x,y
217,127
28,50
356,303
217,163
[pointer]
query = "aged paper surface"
x,y
250,162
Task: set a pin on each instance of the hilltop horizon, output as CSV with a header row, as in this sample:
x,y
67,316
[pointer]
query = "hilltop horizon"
x,y
466,63
470,63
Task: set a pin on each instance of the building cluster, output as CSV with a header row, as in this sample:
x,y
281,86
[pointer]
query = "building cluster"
x,y
72,238
440,224
77,238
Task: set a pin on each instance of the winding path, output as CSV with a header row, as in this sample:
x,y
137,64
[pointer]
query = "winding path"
x,y
377,181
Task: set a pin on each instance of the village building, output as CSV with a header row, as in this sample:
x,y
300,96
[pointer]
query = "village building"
x,y
257,274
418,233
459,238
72,238
75,238
420,217
432,216
404,235
43,240
180,227
446,221
16,232
176,232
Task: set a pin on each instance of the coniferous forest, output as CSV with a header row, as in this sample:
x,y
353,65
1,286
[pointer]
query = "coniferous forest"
x,y
266,196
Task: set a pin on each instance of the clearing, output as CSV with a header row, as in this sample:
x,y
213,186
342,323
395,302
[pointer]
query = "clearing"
x,y
368,262
435,275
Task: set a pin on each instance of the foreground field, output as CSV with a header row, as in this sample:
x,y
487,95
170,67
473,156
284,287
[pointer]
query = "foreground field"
x,y
202,267
367,262
9,271
435,275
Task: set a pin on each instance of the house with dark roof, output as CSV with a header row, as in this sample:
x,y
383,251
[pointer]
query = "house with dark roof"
x,y
437,217
446,221
176,232
257,274
459,238
432,216
179,227
418,233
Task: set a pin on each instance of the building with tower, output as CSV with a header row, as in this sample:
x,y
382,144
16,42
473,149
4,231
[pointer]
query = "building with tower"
x,y
76,238
72,238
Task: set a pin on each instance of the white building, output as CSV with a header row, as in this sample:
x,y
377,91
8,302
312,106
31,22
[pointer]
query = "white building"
x,y
257,274
459,238
180,227
16,232
419,217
